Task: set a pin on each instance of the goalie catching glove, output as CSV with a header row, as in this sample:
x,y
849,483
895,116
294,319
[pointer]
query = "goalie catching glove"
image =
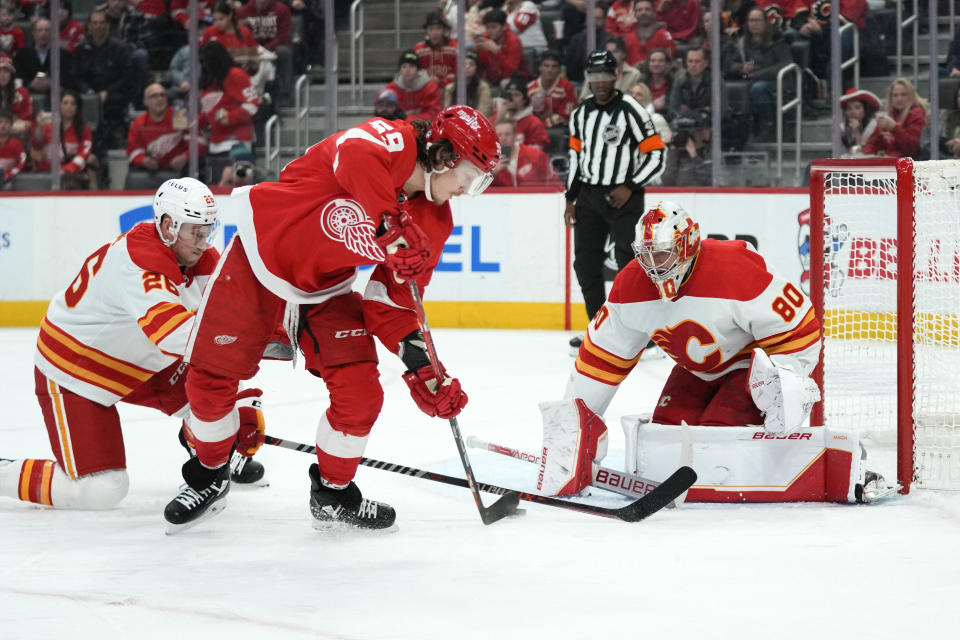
x,y
785,397
574,437
406,245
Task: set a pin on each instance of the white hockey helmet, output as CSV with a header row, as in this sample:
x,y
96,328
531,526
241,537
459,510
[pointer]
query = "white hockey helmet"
x,y
185,200
666,244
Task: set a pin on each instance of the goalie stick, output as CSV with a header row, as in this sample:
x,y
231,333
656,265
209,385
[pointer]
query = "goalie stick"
x,y
505,505
637,510
626,484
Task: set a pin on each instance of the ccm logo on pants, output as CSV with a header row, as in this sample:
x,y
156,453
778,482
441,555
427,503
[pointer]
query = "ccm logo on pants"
x,y
349,333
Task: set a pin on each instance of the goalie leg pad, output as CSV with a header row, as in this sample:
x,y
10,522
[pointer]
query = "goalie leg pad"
x,y
574,437
785,397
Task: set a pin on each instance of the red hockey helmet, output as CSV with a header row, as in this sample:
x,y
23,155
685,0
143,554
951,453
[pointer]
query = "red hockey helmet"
x,y
472,136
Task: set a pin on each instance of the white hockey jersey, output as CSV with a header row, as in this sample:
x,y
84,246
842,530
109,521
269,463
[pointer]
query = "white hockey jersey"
x,y
729,305
126,316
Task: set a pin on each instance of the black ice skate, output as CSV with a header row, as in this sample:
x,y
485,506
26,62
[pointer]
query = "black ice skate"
x,y
201,498
346,508
247,471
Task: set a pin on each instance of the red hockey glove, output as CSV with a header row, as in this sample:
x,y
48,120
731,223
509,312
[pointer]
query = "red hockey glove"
x,y
444,401
252,427
407,247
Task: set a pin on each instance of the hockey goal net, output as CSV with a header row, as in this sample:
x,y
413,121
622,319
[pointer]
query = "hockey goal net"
x,y
885,280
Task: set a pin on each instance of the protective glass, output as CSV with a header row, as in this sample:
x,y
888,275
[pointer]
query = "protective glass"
x,y
472,178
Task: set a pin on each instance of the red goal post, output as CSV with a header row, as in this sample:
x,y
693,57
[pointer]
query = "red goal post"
x,y
885,282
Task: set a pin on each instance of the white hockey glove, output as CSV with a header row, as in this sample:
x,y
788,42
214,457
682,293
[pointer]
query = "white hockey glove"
x,y
574,437
784,397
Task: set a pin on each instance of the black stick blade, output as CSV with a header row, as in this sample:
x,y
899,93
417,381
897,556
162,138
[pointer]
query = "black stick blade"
x,y
505,506
678,482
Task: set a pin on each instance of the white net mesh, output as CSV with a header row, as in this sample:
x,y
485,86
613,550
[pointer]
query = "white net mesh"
x,y
860,314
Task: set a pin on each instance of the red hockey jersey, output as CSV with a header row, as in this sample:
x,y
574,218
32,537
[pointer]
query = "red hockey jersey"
x,y
530,130
22,107
420,100
77,149
12,158
305,234
388,308
240,100
439,62
553,105
494,67
529,167
620,18
157,140
638,50
71,35
12,40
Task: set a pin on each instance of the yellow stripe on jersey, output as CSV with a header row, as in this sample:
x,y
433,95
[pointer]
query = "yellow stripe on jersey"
x,y
600,374
169,326
84,374
155,311
62,428
25,473
607,356
112,363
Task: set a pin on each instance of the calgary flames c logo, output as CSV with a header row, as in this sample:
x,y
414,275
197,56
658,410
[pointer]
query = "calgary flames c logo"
x,y
678,343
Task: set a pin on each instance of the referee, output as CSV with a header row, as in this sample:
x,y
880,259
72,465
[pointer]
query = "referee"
x,y
614,152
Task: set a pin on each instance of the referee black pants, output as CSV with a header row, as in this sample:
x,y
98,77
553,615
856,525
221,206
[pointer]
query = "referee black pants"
x,y
595,221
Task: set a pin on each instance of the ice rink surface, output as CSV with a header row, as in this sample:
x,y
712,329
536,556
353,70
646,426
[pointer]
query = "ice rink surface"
x,y
258,570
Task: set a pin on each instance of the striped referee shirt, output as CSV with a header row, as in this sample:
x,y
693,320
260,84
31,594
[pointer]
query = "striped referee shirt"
x,y
613,144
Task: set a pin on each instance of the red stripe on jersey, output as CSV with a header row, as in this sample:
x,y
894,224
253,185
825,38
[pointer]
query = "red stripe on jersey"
x,y
163,319
88,364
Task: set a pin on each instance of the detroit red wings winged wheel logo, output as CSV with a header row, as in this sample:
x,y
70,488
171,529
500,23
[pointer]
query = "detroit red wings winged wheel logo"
x,y
345,221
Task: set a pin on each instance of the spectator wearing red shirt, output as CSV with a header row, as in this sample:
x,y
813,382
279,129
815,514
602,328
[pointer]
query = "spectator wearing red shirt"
x,y
150,7
552,97
270,22
179,10
417,95
438,51
520,165
155,142
620,20
227,104
516,106
648,35
682,18
12,155
900,124
77,162
15,99
11,36
499,50
71,31
236,38
657,72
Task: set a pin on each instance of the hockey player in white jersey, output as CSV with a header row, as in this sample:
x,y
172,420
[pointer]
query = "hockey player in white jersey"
x,y
117,333
744,342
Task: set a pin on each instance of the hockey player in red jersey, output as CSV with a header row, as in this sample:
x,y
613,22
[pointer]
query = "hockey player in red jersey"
x,y
293,261
744,342
116,334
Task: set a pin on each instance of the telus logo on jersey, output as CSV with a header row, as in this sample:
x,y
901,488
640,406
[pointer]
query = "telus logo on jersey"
x,y
345,221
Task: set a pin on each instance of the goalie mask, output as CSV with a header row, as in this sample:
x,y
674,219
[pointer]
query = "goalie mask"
x,y
667,242
473,138
185,200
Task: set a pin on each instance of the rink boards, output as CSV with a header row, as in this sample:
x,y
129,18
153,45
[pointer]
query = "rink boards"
x,y
506,264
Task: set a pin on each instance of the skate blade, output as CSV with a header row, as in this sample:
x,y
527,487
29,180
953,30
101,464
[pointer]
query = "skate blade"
x,y
262,482
215,508
335,528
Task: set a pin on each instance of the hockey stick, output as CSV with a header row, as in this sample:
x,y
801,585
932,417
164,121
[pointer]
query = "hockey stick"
x,y
626,484
637,510
508,503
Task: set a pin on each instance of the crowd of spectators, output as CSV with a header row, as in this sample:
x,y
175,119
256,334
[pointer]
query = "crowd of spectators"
x,y
124,81
663,49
